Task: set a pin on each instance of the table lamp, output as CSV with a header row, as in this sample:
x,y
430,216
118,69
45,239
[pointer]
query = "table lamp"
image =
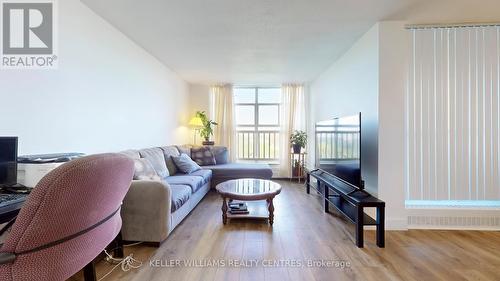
x,y
196,123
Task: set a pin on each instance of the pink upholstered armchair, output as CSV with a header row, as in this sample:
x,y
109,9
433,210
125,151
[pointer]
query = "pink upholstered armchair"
x,y
68,219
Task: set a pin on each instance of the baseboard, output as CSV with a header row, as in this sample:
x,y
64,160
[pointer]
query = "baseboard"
x,y
396,224
392,226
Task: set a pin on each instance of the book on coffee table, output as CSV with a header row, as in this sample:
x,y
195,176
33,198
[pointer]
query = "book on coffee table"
x,y
237,204
238,208
239,212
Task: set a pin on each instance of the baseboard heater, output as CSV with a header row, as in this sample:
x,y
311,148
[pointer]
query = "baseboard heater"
x,y
453,215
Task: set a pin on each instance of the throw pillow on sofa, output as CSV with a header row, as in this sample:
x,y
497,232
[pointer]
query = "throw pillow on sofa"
x,y
185,164
168,152
203,156
144,170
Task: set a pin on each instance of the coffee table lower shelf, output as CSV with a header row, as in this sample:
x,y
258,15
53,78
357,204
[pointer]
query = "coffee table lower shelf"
x,y
258,210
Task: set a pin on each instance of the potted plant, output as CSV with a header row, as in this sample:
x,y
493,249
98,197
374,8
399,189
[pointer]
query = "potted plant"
x,y
298,140
206,130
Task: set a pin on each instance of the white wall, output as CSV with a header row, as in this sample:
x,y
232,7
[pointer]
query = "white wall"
x,y
108,94
350,86
393,68
199,98
370,78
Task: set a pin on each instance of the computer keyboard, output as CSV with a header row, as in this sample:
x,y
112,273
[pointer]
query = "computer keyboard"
x,y
7,199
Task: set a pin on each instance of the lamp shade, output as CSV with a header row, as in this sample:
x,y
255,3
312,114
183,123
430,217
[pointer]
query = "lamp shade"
x,y
196,122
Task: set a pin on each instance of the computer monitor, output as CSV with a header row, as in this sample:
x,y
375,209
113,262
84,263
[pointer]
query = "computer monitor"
x,y
8,161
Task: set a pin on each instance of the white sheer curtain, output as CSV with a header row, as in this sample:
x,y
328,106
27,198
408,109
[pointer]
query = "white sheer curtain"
x,y
223,114
453,114
292,117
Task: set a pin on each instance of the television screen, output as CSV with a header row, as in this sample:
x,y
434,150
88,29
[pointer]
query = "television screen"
x,y
8,160
338,148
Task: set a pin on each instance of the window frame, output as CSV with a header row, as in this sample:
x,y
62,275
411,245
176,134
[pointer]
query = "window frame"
x,y
255,127
256,105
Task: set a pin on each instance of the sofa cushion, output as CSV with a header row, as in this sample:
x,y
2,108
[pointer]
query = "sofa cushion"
x,y
221,154
206,175
168,152
202,156
155,156
240,170
185,164
194,182
180,195
134,154
144,170
185,148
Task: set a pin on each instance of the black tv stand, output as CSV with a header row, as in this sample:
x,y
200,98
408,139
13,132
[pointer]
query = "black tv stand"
x,y
358,191
350,202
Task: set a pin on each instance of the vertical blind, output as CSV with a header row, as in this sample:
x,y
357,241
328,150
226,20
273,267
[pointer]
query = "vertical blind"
x,y
452,114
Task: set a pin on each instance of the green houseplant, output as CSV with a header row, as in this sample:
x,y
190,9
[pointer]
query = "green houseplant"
x,y
207,129
298,140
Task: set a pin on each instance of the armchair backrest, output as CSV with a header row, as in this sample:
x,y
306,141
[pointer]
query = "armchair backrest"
x,y
68,219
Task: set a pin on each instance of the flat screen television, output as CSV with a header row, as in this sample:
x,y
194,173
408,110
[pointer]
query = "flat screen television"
x,y
8,161
338,148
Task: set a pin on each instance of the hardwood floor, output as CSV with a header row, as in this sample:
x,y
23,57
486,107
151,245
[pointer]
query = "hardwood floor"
x,y
303,232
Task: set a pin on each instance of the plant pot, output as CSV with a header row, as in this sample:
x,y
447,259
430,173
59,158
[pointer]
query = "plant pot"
x,y
296,148
208,143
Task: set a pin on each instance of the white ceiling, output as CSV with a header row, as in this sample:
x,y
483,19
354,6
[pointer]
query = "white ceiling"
x,y
267,41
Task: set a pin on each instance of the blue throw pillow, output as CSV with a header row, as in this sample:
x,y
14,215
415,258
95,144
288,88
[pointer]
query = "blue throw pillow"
x,y
185,164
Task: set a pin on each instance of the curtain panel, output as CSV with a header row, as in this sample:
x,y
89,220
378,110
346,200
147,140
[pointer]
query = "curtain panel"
x,y
223,114
292,117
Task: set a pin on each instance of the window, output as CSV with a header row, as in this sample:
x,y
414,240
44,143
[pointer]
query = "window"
x,y
257,113
453,115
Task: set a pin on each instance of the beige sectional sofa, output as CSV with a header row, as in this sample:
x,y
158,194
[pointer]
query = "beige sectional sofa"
x,y
153,208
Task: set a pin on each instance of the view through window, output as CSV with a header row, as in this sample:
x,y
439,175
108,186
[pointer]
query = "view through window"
x,y
257,113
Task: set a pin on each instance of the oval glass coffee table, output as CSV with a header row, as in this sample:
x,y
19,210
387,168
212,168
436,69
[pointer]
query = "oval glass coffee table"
x,y
249,190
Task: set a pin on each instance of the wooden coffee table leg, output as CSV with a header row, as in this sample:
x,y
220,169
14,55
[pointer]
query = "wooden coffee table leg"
x,y
271,210
224,210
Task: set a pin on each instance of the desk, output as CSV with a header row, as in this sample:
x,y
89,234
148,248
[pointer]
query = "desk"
x,y
10,211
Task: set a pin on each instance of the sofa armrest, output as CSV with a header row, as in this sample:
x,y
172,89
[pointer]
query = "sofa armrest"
x,y
146,211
